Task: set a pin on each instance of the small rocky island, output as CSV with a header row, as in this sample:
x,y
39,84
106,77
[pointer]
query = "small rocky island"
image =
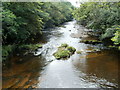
x,y
64,51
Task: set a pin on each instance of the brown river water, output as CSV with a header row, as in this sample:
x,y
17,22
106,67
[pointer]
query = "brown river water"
x,y
98,69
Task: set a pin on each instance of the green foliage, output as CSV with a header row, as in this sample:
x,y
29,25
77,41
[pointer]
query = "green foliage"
x,y
116,38
20,21
6,51
71,49
98,15
64,45
9,25
111,31
119,47
29,46
103,17
23,21
9,49
58,12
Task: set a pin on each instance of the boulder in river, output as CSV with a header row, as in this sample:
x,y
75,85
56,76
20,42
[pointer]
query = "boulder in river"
x,y
64,51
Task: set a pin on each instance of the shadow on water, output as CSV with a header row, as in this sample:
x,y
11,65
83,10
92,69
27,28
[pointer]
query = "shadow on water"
x,y
100,67
24,73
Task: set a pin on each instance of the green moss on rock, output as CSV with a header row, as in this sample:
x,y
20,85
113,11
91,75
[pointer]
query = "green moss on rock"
x,y
64,45
78,52
64,51
62,54
71,49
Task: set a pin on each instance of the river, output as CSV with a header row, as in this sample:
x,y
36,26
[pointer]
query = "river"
x,y
86,70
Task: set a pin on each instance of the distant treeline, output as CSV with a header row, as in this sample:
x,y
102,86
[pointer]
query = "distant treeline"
x,y
102,17
24,20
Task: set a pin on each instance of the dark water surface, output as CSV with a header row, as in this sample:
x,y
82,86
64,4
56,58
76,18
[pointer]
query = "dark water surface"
x,y
86,70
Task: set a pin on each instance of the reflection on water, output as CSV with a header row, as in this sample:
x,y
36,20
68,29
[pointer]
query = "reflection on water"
x,y
90,69
103,65
22,74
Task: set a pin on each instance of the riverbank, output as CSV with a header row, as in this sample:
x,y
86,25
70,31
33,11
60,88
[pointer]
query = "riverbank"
x,y
9,51
103,19
88,36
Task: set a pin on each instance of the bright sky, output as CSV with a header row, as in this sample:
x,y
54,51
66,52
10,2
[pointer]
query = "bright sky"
x,y
75,2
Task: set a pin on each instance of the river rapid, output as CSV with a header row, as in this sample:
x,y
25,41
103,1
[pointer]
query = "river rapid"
x,y
89,69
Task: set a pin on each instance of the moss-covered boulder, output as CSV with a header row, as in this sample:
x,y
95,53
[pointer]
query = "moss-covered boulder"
x,y
64,51
62,54
64,45
71,49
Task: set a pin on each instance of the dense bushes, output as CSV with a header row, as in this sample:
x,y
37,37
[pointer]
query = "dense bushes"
x,y
116,37
58,12
103,17
20,22
109,32
24,20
